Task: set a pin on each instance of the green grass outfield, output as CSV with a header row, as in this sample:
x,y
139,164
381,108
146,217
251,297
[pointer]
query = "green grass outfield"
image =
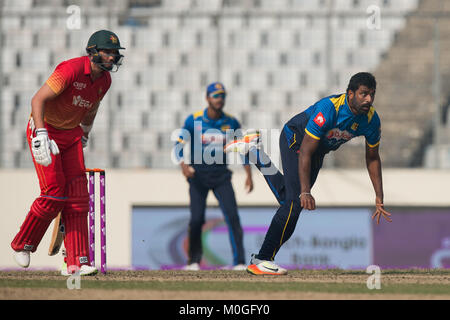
x,y
434,289
410,282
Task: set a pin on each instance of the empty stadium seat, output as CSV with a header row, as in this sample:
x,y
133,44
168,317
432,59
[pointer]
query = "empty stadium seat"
x,y
271,55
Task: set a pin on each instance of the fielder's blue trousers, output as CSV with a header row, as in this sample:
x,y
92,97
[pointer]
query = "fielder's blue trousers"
x,y
220,183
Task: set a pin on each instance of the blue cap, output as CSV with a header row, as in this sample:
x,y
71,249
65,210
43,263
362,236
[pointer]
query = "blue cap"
x,y
214,88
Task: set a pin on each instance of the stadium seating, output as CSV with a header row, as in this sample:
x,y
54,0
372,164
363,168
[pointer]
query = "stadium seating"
x,y
274,64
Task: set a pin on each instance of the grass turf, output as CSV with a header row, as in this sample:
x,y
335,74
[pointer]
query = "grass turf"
x,y
112,281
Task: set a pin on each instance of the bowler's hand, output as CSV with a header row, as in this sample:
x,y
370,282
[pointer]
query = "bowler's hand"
x,y
249,184
307,201
381,212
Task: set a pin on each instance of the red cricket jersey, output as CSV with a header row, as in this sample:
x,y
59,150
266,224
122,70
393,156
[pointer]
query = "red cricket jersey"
x,y
76,91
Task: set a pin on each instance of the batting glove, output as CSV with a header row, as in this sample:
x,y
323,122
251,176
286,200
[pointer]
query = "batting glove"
x,y
42,147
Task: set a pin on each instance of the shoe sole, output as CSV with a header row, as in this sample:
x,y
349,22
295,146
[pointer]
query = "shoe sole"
x,y
253,269
246,139
81,274
92,273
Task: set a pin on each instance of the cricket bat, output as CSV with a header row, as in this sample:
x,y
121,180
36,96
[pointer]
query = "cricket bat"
x,y
57,236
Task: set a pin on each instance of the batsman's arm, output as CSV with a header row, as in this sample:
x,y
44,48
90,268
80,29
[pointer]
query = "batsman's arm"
x,y
44,94
88,119
307,148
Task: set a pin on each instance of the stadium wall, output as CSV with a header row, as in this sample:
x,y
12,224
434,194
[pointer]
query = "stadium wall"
x,y
161,188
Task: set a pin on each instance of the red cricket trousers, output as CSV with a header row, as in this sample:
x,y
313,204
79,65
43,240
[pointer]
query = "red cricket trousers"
x,y
63,187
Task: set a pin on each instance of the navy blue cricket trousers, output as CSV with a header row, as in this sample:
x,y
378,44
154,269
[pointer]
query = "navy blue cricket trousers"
x,y
285,187
219,181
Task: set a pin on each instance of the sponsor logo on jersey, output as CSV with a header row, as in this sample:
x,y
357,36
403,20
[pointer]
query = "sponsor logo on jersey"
x,y
213,138
319,119
79,85
80,102
339,135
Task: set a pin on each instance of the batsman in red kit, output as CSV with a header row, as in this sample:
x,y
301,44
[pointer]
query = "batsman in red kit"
x,y
62,114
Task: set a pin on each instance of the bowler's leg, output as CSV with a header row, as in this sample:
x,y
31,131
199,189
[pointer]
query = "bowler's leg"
x,y
272,175
284,221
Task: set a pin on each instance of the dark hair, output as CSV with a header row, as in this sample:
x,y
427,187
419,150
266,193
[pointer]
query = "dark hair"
x,y
362,79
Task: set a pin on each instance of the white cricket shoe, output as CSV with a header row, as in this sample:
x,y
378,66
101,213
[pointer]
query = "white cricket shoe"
x,y
260,267
85,270
239,267
251,139
22,258
192,267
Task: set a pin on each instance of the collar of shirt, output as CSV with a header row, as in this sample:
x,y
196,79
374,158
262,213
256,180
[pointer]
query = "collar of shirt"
x,y
88,69
87,66
207,119
345,113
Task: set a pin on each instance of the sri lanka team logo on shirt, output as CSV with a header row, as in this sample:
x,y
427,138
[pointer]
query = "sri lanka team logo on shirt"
x,y
355,126
319,119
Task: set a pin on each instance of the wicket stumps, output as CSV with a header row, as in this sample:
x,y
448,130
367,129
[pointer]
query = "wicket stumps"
x,y
91,173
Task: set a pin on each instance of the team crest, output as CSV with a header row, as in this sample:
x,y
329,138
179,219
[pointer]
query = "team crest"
x,y
225,127
355,126
319,119
113,39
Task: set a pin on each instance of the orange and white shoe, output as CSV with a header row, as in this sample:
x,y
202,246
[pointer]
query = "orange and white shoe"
x,y
251,139
261,267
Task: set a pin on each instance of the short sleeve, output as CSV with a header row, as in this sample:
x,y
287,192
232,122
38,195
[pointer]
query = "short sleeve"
x,y
187,130
373,134
61,78
184,136
321,119
236,124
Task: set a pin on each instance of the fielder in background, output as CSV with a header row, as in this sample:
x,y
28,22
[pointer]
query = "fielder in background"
x,y
304,141
206,131
62,114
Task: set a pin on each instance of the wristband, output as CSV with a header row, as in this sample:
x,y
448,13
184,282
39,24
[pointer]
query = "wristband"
x,y
304,193
41,131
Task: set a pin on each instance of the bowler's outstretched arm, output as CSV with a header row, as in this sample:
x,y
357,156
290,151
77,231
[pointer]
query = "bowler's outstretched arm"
x,y
373,163
308,147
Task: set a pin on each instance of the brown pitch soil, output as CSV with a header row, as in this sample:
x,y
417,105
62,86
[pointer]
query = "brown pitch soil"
x,y
305,277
